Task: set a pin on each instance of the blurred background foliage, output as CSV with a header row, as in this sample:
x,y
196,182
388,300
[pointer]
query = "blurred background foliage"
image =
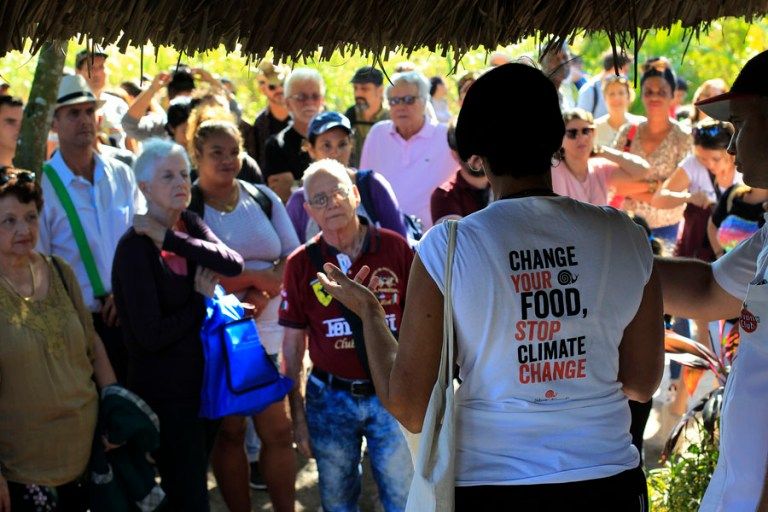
x,y
718,52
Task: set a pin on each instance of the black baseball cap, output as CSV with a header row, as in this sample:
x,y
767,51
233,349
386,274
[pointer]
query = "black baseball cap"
x,y
85,53
750,83
368,75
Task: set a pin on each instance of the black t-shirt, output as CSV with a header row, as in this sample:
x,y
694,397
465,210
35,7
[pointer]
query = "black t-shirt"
x,y
283,153
264,126
747,211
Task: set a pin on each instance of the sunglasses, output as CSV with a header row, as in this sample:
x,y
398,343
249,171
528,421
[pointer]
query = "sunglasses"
x,y
660,64
304,98
572,133
271,87
714,130
402,100
616,79
19,176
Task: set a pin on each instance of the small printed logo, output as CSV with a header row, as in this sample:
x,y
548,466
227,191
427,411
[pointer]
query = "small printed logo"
x,y
748,321
565,277
323,297
550,394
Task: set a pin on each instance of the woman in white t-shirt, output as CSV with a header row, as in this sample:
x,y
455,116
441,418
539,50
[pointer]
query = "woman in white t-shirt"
x,y
698,182
586,172
618,95
566,325
252,220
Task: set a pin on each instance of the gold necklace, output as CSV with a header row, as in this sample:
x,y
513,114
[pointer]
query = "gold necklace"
x,y
15,290
229,204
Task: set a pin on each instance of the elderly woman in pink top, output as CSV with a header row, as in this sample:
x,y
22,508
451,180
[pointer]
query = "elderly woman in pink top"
x,y
586,172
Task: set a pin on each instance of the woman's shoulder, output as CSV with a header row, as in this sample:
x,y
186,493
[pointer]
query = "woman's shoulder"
x,y
680,131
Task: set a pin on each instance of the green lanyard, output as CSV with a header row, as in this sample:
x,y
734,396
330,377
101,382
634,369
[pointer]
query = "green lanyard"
x,y
77,230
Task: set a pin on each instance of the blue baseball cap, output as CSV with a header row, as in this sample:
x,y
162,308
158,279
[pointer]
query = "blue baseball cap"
x,y
324,121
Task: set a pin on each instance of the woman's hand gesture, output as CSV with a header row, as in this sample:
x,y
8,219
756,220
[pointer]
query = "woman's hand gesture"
x,y
350,292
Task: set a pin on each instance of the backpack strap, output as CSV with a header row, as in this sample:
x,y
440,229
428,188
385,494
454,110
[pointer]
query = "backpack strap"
x,y
260,197
86,254
197,204
363,178
594,95
315,254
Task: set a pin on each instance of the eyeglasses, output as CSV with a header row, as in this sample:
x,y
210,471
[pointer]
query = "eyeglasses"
x,y
322,200
19,176
402,100
616,79
304,98
572,133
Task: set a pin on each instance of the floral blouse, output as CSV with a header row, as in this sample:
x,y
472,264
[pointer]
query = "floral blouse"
x,y
663,160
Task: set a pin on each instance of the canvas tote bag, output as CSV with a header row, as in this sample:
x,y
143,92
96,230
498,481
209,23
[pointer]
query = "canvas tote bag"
x,y
432,487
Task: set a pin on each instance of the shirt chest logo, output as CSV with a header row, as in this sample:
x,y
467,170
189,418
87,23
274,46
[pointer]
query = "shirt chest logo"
x,y
322,296
747,320
384,285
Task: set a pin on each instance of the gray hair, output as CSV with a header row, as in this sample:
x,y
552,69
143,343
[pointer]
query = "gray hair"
x,y
327,166
411,78
303,75
153,151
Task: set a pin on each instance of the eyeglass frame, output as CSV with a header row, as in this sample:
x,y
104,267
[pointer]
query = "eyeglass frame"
x,y
306,98
341,192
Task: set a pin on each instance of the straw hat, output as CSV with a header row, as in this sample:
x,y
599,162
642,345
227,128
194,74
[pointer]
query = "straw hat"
x,y
73,90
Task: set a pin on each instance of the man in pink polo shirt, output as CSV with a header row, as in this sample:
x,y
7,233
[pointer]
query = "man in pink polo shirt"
x,y
410,149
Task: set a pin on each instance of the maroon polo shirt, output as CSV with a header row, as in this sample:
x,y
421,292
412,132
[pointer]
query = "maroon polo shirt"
x,y
457,197
306,305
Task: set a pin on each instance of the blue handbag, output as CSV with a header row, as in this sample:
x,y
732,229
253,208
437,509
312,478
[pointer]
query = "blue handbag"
x,y
239,378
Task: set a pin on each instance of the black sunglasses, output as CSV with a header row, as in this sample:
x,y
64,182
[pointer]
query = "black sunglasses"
x,y
19,176
572,133
271,87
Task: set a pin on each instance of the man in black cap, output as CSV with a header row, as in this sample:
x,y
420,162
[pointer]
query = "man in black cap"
x,y
368,108
735,286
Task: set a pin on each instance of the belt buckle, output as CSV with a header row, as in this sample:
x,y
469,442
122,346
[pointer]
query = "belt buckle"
x,y
355,385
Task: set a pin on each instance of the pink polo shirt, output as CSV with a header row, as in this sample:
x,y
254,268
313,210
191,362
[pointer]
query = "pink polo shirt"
x,y
415,167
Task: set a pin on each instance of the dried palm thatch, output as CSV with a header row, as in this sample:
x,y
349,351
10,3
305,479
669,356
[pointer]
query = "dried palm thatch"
x,y
298,27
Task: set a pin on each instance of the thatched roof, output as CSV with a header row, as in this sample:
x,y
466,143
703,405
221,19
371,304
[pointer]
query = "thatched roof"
x,y
291,28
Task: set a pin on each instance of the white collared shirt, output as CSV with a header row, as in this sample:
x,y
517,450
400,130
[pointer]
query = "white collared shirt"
x,y
414,167
105,207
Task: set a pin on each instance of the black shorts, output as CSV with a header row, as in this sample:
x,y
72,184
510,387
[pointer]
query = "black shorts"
x,y
625,492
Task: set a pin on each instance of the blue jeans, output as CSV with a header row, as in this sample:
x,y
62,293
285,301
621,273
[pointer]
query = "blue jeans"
x,y
337,422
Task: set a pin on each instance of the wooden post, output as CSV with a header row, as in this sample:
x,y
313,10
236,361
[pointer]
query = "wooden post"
x,y
30,152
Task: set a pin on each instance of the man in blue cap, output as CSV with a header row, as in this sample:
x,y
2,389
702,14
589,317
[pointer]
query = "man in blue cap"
x,y
368,108
736,286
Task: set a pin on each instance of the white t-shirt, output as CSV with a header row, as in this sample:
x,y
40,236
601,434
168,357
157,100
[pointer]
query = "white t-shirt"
x,y
605,134
540,401
260,242
738,478
700,179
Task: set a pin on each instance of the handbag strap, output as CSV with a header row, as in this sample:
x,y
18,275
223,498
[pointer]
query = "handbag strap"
x,y
447,355
77,231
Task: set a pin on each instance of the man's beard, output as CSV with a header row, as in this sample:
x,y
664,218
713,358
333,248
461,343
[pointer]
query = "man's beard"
x,y
361,104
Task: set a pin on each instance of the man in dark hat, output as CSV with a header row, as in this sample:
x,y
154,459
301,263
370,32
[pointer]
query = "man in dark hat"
x,y
368,108
735,286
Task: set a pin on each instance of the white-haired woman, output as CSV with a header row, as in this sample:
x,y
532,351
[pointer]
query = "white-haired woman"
x,y
284,158
410,150
163,266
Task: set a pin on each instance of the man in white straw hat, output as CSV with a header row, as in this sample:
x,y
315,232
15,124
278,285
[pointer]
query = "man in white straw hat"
x,y
736,285
90,201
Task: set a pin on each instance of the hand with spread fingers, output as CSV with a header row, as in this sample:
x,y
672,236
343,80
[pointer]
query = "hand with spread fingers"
x,y
350,292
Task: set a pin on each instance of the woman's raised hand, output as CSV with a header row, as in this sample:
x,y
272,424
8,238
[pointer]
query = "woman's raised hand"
x,y
350,292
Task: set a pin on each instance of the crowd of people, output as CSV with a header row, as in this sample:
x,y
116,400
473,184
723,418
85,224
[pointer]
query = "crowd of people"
x,y
333,228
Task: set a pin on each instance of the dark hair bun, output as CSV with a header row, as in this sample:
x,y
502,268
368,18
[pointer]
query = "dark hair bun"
x,y
512,111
